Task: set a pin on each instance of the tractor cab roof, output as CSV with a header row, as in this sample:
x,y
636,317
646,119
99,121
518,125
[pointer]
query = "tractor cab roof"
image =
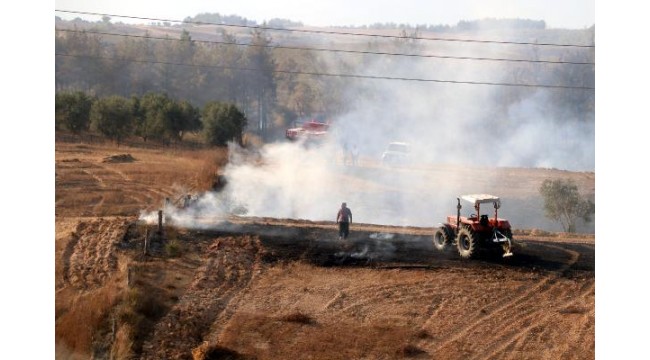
x,y
481,199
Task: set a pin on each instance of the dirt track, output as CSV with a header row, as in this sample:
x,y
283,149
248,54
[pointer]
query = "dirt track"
x,y
272,288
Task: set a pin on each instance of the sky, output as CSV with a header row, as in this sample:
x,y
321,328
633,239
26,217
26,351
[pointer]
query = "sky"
x,y
572,14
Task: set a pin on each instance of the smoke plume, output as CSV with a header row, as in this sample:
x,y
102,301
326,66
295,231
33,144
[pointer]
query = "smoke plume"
x,y
450,127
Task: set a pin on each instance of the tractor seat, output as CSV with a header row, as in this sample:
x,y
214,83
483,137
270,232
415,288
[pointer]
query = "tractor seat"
x,y
484,220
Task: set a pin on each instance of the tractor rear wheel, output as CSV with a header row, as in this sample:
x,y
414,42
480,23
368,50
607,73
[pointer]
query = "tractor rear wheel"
x,y
440,239
466,242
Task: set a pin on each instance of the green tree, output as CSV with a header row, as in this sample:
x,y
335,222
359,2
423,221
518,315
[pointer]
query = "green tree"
x,y
260,91
83,66
112,117
137,115
178,81
73,110
134,75
563,203
155,122
163,118
220,84
188,119
222,123
301,94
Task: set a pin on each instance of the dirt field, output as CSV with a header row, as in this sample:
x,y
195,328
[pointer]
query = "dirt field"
x,y
260,288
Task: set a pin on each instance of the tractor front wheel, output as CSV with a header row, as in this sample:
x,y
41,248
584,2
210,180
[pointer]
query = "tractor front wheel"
x,y
440,240
466,242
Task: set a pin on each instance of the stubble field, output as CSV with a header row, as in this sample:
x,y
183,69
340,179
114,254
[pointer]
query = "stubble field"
x,y
263,288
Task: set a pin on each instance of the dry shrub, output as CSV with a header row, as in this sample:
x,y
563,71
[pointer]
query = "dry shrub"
x,y
136,316
123,346
573,310
63,352
173,248
138,305
212,162
119,158
86,317
411,351
298,317
214,352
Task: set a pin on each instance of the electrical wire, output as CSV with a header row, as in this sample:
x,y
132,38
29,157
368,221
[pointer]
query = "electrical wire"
x,y
334,75
329,32
336,50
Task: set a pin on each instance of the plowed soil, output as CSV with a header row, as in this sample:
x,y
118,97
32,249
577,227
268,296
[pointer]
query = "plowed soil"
x,y
260,288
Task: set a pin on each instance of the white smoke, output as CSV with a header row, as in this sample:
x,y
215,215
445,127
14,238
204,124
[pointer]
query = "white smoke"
x,y
537,141
376,249
290,182
446,124
203,211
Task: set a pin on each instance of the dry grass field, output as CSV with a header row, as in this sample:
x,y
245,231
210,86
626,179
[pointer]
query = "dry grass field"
x,y
261,288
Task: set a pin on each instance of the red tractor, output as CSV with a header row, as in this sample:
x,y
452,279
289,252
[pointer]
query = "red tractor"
x,y
478,230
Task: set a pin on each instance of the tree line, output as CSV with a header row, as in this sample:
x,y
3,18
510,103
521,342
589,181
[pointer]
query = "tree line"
x,y
153,116
92,65
270,85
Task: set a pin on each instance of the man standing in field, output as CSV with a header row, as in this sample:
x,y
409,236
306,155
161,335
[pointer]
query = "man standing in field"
x,y
355,155
344,218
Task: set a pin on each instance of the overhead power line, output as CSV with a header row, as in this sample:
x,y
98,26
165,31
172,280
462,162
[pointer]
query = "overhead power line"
x,y
339,50
329,32
334,75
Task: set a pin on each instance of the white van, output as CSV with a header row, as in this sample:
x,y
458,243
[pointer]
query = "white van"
x,y
396,153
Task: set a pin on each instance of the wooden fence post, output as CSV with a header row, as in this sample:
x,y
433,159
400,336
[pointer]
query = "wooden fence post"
x,y
146,242
160,221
